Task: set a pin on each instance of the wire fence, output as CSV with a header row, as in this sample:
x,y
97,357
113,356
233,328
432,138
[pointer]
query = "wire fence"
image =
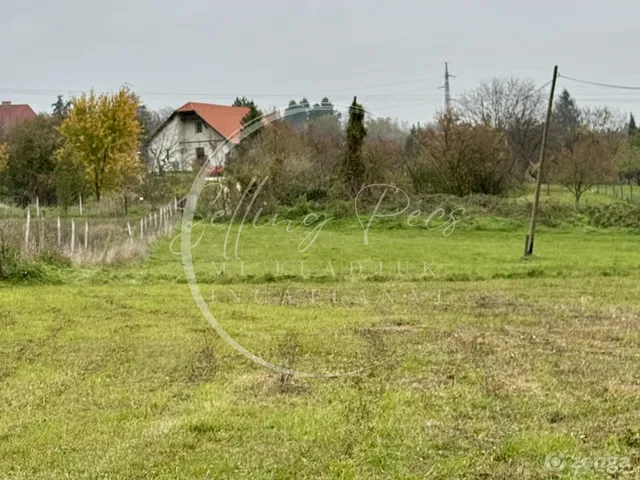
x,y
626,192
87,240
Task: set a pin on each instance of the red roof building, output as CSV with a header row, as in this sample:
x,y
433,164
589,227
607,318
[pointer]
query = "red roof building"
x,y
192,135
11,115
227,121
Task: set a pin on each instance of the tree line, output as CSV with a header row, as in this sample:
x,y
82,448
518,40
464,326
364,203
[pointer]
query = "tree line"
x,y
86,146
487,142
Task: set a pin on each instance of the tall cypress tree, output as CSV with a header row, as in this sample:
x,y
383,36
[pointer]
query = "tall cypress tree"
x,y
353,162
631,127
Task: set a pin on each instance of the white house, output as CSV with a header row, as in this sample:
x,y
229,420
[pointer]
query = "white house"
x,y
190,136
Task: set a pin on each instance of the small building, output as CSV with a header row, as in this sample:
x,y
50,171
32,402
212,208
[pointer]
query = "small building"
x,y
12,115
190,136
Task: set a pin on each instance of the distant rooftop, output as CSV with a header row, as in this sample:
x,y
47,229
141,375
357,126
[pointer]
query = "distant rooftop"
x,y
226,120
11,115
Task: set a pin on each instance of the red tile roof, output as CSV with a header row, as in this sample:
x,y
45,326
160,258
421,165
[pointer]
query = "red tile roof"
x,y
225,120
11,115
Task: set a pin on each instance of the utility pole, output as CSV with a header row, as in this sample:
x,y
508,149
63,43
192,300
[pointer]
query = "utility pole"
x,y
447,87
528,244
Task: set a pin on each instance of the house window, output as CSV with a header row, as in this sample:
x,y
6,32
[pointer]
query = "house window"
x,y
200,155
199,127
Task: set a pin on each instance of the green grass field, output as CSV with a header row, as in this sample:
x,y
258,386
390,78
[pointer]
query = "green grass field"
x,y
478,367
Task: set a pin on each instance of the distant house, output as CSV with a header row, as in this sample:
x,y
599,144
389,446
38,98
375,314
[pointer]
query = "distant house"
x,y
190,136
12,115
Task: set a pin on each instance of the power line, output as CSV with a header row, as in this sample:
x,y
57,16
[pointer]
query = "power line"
x,y
417,80
605,99
531,94
39,91
409,104
35,91
542,87
598,84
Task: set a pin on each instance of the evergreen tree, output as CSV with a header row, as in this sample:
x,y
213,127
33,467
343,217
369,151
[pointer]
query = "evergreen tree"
x,y
566,112
632,129
354,169
60,108
410,143
254,112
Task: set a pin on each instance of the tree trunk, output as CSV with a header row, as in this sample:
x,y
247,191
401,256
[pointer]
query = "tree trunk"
x,y
96,186
1,259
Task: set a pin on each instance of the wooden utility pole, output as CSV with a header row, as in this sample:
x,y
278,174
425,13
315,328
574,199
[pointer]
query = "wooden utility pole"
x,y
528,248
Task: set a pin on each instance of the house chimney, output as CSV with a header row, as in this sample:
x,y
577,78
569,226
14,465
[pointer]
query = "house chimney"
x,y
6,103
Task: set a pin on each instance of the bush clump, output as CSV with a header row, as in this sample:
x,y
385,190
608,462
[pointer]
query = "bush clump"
x,y
14,268
619,214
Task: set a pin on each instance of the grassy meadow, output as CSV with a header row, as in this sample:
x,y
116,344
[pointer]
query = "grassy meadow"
x,y
470,362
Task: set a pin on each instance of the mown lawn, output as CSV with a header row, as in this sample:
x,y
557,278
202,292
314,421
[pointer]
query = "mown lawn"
x,y
479,367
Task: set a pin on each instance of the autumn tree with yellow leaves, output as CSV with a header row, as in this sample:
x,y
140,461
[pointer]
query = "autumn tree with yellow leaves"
x,y
102,134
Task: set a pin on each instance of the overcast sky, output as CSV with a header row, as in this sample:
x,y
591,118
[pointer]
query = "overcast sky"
x,y
389,53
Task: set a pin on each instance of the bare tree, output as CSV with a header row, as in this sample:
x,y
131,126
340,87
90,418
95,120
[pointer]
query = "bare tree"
x,y
160,147
387,129
586,158
324,138
603,120
158,117
472,158
162,152
281,156
514,107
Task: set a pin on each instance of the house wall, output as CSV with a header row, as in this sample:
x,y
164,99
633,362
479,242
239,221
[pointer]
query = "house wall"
x,y
174,146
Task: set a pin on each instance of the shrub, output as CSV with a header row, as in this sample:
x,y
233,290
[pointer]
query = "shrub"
x,y
17,269
618,214
472,158
299,209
